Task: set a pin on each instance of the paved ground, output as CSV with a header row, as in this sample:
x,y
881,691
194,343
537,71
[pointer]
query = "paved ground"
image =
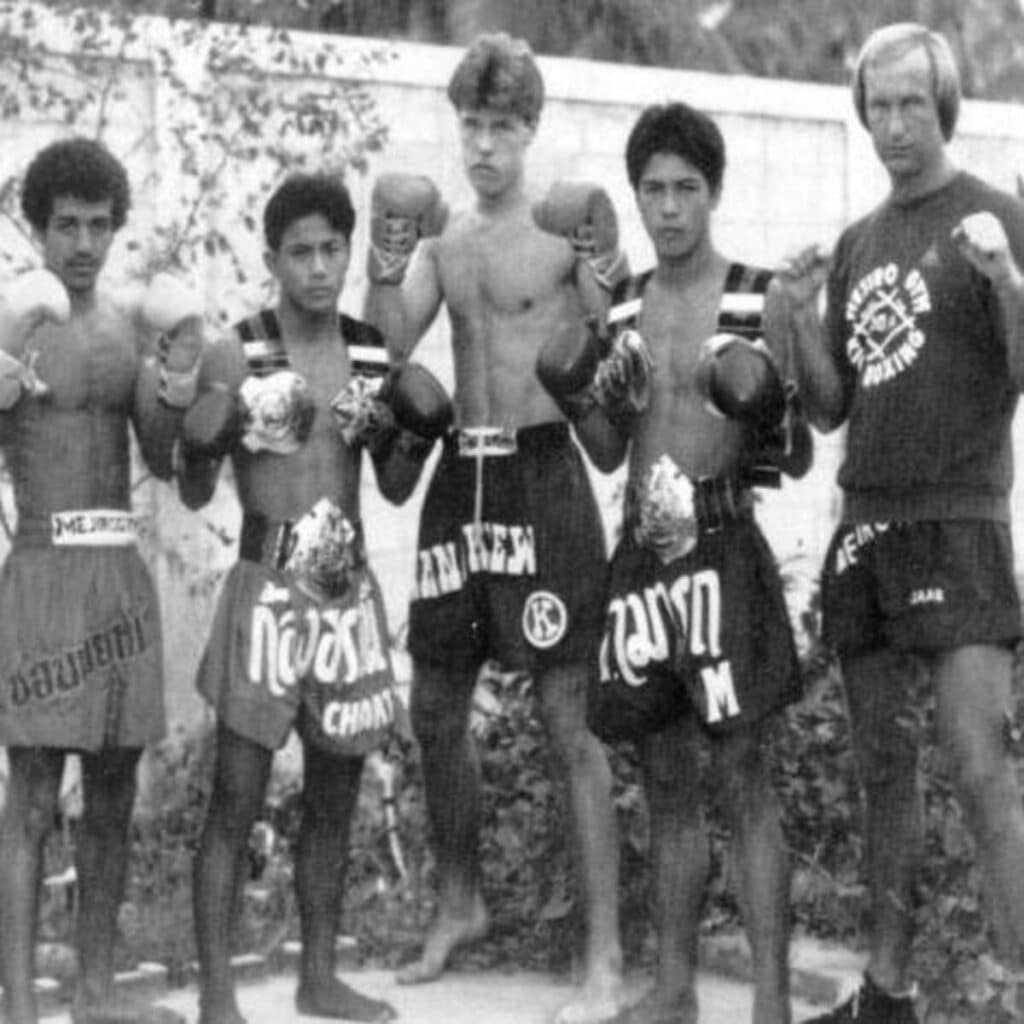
x,y
461,998
819,973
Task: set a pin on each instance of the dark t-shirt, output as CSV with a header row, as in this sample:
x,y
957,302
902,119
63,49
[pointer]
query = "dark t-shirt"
x,y
918,336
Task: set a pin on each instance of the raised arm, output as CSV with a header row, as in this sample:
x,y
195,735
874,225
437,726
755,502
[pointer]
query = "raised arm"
x,y
166,384
794,327
404,293
984,243
33,299
214,422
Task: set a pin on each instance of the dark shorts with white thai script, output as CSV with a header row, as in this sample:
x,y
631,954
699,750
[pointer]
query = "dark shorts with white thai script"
x,y
920,586
707,634
81,662
275,658
522,586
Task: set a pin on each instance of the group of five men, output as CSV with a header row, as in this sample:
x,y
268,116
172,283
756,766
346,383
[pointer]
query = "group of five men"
x,y
692,372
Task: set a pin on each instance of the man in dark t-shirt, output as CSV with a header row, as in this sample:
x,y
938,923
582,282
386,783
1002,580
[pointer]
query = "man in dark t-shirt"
x,y
922,356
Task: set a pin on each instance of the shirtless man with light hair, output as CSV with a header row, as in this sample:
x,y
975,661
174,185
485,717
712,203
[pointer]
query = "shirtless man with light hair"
x,y
510,541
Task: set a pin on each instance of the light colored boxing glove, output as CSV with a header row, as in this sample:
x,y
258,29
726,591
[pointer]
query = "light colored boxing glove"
x,y
403,209
580,368
583,214
738,380
33,299
277,412
37,296
175,310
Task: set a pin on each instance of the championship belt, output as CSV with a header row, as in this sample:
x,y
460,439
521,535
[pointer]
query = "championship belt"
x,y
666,511
279,412
321,551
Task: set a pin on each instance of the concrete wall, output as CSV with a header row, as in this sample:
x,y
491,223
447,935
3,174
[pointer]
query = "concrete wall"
x,y
799,168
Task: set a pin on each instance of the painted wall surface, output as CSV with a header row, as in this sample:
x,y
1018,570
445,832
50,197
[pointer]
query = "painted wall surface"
x,y
799,168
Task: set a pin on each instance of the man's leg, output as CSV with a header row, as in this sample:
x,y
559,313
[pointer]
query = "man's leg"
x,y
33,787
885,744
101,860
563,702
680,861
451,778
329,792
240,778
754,814
973,685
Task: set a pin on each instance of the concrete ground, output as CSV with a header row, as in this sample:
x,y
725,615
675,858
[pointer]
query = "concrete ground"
x,y
818,974
484,997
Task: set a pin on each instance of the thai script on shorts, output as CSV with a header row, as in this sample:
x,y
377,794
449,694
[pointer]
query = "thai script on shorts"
x,y
639,635
335,645
54,675
500,548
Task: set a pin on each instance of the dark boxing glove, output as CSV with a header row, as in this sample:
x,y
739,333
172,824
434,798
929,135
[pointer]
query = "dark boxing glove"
x,y
580,367
213,423
738,379
403,209
583,214
408,406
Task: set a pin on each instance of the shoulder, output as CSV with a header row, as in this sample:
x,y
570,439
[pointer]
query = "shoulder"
x,y
358,332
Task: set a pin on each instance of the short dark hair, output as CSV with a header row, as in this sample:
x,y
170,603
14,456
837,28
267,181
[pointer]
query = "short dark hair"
x,y
499,72
302,194
679,129
81,168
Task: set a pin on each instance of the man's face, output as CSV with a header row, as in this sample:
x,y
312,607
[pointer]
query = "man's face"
x,y
675,204
902,117
493,148
311,264
76,241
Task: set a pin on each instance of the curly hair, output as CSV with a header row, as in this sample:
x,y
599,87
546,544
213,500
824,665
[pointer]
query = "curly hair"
x,y
499,72
81,168
302,194
679,129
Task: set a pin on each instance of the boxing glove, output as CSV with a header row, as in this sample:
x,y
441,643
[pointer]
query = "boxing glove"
x,y
213,424
33,299
175,311
583,214
738,379
409,400
403,209
37,296
580,369
277,412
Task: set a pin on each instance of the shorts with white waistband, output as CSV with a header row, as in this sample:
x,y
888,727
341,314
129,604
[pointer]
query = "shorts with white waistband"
x,y
511,557
81,664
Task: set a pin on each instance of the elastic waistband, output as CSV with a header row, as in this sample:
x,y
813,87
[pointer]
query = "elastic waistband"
x,y
878,506
83,528
534,438
267,541
717,500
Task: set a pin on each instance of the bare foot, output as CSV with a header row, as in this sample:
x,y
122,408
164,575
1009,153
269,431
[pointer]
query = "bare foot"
x,y
446,933
230,1015
658,1008
600,999
122,1011
340,1001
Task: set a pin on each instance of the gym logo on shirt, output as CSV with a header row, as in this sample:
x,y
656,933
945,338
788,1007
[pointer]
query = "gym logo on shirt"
x,y
882,311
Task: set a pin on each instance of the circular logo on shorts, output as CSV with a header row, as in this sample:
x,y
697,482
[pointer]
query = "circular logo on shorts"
x,y
544,619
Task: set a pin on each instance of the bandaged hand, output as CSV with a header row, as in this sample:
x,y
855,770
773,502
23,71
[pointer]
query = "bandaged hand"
x,y
623,377
175,311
